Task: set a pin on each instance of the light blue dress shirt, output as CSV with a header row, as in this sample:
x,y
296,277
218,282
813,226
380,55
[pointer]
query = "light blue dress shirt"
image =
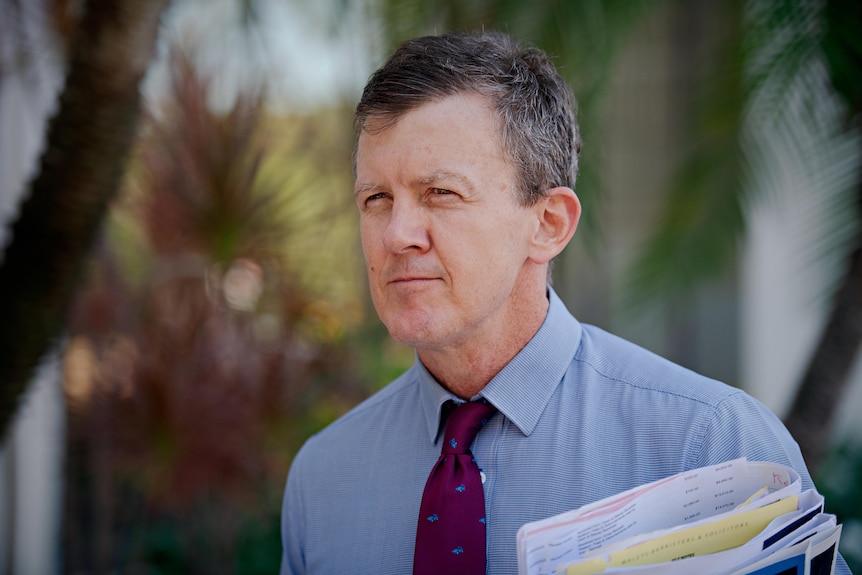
x,y
582,415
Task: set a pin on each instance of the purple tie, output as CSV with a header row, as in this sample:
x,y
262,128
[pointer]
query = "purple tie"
x,y
450,538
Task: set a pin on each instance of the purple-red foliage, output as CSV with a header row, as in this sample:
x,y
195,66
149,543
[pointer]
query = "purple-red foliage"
x,y
178,393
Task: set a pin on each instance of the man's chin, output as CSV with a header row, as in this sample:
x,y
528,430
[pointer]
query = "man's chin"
x,y
413,331
408,338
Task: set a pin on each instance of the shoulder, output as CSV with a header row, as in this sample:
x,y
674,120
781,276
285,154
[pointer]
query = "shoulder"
x,y
387,403
619,363
715,420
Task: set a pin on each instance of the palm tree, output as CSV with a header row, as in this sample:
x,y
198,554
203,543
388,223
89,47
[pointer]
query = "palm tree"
x,y
827,375
81,168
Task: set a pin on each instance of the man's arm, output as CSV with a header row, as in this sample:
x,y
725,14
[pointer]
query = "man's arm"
x,y
742,426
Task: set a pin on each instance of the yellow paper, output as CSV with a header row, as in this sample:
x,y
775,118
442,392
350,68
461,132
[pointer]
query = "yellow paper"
x,y
754,495
727,533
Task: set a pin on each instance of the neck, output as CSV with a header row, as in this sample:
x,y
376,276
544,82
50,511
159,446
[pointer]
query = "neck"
x,y
467,368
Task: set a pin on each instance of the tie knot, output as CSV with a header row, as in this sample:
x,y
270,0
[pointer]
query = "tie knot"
x,y
464,423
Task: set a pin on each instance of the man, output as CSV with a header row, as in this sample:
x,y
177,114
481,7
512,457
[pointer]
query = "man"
x,y
465,167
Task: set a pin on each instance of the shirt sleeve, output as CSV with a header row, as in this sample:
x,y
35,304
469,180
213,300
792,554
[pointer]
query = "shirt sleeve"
x,y
741,426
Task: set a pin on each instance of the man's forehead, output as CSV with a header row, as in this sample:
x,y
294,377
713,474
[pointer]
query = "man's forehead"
x,y
442,139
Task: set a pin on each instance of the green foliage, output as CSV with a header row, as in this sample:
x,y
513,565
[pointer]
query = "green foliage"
x,y
842,49
839,480
766,77
162,552
259,547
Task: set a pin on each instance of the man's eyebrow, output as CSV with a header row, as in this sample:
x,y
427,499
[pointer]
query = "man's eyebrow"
x,y
433,178
367,187
443,175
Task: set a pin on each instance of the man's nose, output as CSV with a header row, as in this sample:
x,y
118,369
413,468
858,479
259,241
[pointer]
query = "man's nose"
x,y
407,228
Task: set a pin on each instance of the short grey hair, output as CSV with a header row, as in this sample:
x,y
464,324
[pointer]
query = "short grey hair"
x,y
536,107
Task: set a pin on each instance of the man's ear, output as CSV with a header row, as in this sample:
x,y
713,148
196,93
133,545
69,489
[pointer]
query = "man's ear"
x,y
557,216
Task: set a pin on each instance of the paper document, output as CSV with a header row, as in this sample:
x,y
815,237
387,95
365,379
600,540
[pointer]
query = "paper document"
x,y
715,519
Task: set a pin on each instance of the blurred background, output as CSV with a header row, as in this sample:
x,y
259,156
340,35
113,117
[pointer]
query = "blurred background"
x,y
182,294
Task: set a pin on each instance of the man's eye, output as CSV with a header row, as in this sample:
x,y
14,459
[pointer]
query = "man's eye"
x,y
373,197
441,191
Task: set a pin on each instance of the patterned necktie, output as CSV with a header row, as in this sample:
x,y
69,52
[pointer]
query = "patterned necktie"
x,y
450,538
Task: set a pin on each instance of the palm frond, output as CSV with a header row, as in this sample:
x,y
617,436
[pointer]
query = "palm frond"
x,y
784,134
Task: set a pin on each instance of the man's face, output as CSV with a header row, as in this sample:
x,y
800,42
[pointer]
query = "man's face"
x,y
445,240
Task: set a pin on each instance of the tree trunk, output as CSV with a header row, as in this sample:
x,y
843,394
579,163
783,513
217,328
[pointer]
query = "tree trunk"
x,y
81,169
827,376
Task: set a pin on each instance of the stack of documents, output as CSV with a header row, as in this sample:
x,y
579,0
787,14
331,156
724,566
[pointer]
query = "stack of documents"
x,y
735,518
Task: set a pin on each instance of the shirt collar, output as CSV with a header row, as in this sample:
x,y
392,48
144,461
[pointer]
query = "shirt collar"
x,y
522,389
432,397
